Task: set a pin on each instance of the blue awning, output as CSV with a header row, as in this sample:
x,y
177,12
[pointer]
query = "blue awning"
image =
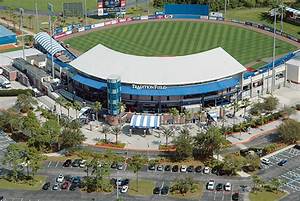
x,y
48,43
89,82
169,91
145,121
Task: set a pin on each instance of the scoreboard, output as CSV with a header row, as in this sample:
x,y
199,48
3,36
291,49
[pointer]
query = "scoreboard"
x,y
107,7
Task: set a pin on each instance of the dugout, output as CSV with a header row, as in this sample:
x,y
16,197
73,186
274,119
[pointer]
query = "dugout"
x,y
7,36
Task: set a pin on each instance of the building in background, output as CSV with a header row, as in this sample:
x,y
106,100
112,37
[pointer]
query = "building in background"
x,y
7,36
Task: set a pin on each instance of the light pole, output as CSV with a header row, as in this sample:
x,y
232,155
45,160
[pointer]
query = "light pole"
x,y
37,17
50,12
21,27
225,8
274,52
85,12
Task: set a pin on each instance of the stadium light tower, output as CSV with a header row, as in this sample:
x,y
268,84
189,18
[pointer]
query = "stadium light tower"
x,y
50,12
21,27
37,16
274,53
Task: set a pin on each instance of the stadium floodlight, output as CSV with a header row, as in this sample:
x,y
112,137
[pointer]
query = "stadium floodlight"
x,y
50,13
274,52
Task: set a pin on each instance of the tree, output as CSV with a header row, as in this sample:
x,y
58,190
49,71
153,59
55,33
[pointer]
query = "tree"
x,y
53,129
97,108
233,163
116,130
30,17
270,103
31,124
289,131
136,163
167,132
10,120
157,3
246,103
252,161
188,116
257,183
205,144
25,102
68,105
183,186
174,113
77,106
60,101
183,144
71,135
256,109
105,131
275,184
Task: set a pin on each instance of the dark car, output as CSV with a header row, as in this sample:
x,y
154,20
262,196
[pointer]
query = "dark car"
x,y
67,163
282,162
219,187
175,168
151,167
124,182
190,168
198,169
68,178
1,198
168,168
76,163
297,146
72,187
235,196
156,190
114,165
65,185
46,186
120,166
76,181
164,190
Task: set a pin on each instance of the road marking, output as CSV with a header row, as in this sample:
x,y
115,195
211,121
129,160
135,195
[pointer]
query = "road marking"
x,y
215,195
49,164
223,196
231,191
56,164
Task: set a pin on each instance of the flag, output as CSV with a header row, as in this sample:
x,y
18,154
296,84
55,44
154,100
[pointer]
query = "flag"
x,y
50,8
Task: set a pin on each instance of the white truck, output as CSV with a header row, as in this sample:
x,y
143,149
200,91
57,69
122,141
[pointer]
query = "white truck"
x,y
4,82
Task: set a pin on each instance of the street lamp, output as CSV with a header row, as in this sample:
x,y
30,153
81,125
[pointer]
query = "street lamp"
x,y
273,58
21,27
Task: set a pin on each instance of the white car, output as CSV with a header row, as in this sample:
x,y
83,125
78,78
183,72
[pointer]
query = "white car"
x,y
60,178
227,186
183,168
119,181
160,168
265,161
55,187
210,185
82,163
206,170
124,189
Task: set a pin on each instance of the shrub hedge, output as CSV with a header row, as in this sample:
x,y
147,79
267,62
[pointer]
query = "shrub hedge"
x,y
15,92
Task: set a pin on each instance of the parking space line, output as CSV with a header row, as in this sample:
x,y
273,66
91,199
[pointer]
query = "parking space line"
x,y
49,163
215,195
56,164
222,195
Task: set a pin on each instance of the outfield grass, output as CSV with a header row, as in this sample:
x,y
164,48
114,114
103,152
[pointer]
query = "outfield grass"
x,y
40,180
256,15
266,196
145,188
171,38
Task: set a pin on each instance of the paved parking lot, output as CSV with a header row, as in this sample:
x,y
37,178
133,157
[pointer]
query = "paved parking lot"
x,y
291,180
288,154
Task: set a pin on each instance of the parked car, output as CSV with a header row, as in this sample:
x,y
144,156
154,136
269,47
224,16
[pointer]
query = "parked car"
x,y
210,185
235,196
175,168
82,163
168,168
120,166
55,187
68,178
160,168
198,169
76,181
67,163
124,189
164,190
46,186
65,185
60,178
114,165
124,182
183,168
219,187
206,170
297,146
227,186
190,168
156,190
76,163
282,162
265,161
72,187
151,167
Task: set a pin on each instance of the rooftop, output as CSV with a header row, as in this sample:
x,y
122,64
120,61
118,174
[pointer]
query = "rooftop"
x,y
215,64
7,57
5,32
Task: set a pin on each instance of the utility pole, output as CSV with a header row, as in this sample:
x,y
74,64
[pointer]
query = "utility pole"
x,y
37,17
85,12
21,27
225,9
274,52
50,12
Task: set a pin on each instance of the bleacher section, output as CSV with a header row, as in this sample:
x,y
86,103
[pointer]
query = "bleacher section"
x,y
187,11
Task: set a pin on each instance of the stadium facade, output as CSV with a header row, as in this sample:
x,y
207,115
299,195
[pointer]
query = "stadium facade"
x,y
157,83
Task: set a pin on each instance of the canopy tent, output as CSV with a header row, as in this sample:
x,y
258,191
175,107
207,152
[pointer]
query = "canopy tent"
x,y
48,43
145,121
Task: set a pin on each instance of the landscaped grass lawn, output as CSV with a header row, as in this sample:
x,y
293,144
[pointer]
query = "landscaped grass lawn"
x,y
172,38
256,15
258,65
190,196
266,196
11,49
4,184
145,187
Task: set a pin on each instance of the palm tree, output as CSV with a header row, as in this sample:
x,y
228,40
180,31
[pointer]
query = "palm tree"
x,y
167,132
188,116
61,101
246,103
30,17
97,108
116,130
174,113
77,106
68,105
105,131
136,163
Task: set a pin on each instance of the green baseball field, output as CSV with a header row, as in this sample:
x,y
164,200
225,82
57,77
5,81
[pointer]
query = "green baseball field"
x,y
172,38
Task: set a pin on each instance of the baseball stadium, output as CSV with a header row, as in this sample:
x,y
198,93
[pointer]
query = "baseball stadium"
x,y
181,58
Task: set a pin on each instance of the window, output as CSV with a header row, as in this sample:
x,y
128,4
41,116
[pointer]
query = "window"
x,y
151,98
130,97
168,97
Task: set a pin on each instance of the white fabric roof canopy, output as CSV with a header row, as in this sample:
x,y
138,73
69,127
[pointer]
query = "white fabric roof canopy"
x,y
145,121
214,64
